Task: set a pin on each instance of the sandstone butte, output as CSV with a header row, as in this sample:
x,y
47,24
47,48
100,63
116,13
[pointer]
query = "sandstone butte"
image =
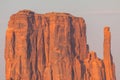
x,y
53,46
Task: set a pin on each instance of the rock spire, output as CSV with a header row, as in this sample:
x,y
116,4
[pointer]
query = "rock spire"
x,y
108,60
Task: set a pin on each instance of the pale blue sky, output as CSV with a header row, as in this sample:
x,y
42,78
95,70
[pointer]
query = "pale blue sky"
x,y
97,14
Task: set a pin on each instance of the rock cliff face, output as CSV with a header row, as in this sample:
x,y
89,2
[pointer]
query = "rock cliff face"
x,y
53,46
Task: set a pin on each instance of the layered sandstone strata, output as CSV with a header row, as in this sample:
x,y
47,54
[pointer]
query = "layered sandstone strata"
x,y
53,46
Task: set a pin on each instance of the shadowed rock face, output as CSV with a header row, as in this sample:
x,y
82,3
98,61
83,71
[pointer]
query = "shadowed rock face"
x,y
53,46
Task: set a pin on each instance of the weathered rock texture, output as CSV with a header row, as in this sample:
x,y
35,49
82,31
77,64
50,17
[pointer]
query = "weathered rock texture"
x,y
53,46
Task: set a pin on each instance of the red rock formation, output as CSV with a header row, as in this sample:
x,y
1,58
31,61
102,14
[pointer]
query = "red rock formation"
x,y
108,61
94,68
50,46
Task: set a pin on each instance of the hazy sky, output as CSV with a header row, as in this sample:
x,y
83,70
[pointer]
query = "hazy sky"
x,y
97,14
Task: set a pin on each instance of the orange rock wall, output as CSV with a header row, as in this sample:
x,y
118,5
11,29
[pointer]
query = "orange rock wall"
x,y
52,46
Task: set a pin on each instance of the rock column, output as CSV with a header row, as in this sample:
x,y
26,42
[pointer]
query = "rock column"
x,y
108,60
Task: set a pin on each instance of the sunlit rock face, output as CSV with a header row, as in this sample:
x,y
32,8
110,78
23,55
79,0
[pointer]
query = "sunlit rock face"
x,y
53,46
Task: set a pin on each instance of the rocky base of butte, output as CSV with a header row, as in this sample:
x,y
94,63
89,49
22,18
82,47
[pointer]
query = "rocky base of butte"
x,y
53,46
